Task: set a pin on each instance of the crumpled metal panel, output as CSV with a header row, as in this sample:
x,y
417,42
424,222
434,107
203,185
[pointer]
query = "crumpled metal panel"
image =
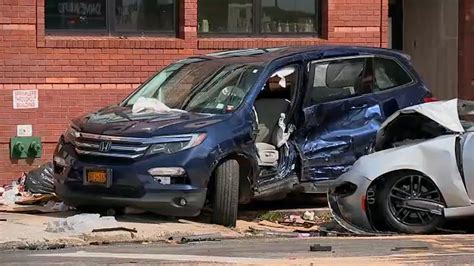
x,y
331,148
445,113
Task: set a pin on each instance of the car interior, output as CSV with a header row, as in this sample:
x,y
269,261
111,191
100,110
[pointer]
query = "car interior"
x,y
271,109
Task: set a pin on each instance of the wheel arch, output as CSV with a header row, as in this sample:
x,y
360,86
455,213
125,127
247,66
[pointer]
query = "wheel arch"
x,y
248,169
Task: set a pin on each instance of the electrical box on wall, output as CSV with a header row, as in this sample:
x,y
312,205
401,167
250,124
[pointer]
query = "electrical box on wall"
x,y
25,147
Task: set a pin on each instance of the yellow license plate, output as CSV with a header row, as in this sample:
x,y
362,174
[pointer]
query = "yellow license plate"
x,y
97,177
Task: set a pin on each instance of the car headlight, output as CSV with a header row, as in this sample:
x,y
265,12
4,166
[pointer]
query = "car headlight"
x,y
71,134
173,144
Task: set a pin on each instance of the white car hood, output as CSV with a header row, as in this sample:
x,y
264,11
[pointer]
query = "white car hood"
x,y
444,113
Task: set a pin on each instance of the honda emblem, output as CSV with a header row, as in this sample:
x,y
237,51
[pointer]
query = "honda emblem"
x,y
105,146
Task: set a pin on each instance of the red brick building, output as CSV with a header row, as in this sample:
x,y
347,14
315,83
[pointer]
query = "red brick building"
x,y
84,54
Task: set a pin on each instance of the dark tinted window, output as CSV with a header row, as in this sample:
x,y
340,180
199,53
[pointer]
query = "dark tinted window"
x,y
76,14
124,16
144,15
258,16
288,16
340,79
389,74
220,16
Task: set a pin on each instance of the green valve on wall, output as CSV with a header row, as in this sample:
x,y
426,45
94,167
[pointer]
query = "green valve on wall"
x,y
25,147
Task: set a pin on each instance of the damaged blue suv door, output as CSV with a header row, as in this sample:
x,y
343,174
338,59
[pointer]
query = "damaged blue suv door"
x,y
222,129
346,100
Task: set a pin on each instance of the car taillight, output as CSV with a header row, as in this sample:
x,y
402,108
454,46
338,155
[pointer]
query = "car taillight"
x,y
430,99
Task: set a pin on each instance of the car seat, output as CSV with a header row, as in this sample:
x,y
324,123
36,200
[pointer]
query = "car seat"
x,y
269,112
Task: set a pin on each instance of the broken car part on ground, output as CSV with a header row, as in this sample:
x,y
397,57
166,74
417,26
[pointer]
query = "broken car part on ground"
x,y
226,128
421,174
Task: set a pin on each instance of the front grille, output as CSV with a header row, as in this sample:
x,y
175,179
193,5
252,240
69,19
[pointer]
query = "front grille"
x,y
110,146
121,147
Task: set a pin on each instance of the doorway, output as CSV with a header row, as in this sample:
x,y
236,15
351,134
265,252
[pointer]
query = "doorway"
x,y
427,30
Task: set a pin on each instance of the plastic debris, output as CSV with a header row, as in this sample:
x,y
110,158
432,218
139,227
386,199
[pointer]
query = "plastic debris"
x,y
11,194
295,219
81,223
308,215
40,180
56,206
149,105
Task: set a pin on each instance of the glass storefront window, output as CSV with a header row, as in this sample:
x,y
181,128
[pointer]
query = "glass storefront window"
x,y
258,17
76,15
225,16
112,17
144,15
288,16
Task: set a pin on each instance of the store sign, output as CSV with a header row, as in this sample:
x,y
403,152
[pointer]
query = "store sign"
x,y
25,99
80,8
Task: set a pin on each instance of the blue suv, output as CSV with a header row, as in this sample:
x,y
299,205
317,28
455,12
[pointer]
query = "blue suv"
x,y
226,128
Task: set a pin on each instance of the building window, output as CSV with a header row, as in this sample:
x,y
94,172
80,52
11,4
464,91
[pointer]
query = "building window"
x,y
113,17
225,16
257,17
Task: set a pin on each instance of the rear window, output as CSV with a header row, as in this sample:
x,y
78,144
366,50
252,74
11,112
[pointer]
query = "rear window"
x,y
389,74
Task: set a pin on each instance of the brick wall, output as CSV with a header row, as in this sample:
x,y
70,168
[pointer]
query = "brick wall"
x,y
75,75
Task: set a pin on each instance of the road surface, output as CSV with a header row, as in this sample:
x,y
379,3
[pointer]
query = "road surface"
x,y
440,249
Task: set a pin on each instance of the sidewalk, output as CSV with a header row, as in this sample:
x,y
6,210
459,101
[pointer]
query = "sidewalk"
x,y
27,231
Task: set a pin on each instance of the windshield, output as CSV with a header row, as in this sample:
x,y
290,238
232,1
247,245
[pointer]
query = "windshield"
x,y
225,91
199,85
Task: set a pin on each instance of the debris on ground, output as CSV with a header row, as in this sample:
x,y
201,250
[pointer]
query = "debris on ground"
x,y
318,247
33,192
200,238
40,180
32,199
81,223
42,246
307,224
112,229
309,215
410,248
11,193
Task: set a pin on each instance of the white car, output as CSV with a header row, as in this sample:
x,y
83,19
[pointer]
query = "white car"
x,y
421,173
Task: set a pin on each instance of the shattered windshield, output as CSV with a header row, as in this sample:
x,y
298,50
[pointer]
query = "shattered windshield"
x,y
198,85
225,91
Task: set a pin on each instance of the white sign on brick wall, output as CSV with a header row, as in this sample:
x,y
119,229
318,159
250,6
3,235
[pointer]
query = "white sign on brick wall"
x,y
25,99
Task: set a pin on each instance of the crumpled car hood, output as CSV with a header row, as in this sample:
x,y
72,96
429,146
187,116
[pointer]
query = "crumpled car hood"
x,y
444,113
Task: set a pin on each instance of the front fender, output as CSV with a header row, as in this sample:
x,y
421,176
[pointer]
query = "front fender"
x,y
436,158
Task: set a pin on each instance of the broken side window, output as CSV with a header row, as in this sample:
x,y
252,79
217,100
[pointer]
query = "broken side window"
x,y
389,74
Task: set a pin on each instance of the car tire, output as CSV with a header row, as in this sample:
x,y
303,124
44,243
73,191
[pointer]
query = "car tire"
x,y
394,222
226,194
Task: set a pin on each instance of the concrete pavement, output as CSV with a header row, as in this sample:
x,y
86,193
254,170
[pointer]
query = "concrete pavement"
x,y
433,249
27,231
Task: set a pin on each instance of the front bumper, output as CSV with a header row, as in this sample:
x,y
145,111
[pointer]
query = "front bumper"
x,y
164,203
130,183
350,210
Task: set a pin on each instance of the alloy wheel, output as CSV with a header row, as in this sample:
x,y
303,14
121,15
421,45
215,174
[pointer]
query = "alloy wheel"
x,y
411,187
